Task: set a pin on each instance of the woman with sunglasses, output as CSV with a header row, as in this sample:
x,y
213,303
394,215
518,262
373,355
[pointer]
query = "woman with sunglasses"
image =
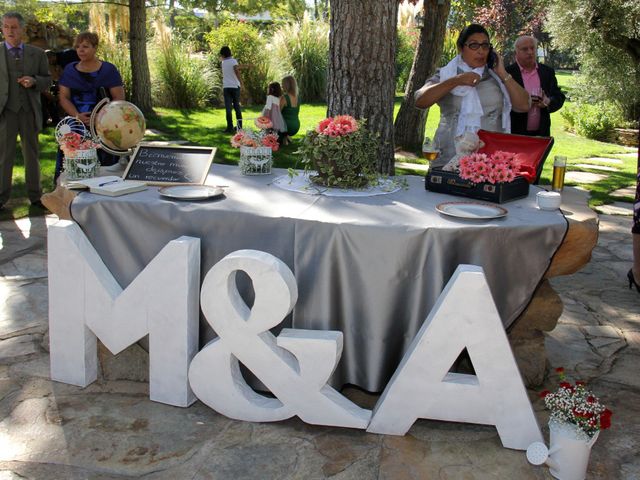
x,y
474,91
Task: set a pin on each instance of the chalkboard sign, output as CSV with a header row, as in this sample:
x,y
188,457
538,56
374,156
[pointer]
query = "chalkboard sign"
x,y
169,165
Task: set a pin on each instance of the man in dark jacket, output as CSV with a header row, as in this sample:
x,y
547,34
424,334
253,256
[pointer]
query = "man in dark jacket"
x,y
540,81
24,73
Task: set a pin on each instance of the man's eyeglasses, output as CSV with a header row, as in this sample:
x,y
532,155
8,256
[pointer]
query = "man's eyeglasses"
x,y
476,46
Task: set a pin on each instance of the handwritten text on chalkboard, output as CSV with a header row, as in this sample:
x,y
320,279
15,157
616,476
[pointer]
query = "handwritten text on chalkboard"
x,y
161,165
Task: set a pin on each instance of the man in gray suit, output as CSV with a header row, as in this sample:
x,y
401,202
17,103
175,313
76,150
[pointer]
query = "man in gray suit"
x,y
24,73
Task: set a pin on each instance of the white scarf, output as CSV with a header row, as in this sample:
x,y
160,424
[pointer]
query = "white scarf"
x,y
471,109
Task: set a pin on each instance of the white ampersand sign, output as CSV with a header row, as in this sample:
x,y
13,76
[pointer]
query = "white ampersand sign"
x,y
295,366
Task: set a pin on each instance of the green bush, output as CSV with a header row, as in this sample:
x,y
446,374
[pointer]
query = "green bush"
x,y
182,79
608,73
591,121
302,50
248,46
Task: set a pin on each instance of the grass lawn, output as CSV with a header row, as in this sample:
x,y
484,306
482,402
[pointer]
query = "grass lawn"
x,y
205,127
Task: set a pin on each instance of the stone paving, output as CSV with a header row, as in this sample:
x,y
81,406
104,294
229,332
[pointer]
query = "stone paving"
x,y
111,429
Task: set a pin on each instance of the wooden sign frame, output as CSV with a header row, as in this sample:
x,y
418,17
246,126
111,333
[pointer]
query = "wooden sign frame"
x,y
167,167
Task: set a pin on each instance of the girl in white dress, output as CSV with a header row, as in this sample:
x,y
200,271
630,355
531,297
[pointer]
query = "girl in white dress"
x,y
272,107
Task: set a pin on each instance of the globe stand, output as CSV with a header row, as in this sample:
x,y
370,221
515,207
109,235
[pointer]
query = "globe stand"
x,y
104,142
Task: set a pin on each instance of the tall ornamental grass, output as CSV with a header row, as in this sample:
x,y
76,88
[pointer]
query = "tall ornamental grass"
x,y
449,47
302,50
182,79
119,56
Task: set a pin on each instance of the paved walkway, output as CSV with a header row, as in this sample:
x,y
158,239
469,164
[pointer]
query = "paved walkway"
x,y
112,430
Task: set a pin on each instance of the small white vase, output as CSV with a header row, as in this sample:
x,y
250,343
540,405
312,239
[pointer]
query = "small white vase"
x,y
81,164
569,451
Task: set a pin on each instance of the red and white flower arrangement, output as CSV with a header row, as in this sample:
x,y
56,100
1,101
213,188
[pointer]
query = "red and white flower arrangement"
x,y
262,138
575,404
496,168
71,142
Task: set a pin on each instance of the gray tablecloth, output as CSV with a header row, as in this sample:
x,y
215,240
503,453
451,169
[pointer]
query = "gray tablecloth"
x,y
370,267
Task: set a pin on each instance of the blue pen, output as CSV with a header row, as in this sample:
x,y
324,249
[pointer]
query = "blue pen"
x,y
108,183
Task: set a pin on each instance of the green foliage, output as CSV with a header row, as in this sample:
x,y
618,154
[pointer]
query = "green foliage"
x,y
183,80
192,29
449,47
119,56
405,51
302,50
462,12
289,10
345,161
248,47
597,31
591,121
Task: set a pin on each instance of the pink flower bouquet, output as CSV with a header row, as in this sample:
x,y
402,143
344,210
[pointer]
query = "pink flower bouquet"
x,y
72,142
337,126
342,152
496,168
263,123
262,138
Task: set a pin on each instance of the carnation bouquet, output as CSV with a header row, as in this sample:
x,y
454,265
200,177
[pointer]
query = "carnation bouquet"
x,y
575,404
342,152
496,168
264,137
72,142
79,147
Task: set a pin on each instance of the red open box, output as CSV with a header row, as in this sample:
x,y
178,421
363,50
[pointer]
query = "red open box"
x,y
530,151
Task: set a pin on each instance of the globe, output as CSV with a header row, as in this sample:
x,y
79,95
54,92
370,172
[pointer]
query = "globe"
x,y
119,125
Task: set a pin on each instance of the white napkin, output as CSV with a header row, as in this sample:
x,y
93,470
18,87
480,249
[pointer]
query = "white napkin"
x,y
471,109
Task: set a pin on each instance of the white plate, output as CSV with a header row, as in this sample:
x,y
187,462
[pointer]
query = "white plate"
x,y
191,192
471,210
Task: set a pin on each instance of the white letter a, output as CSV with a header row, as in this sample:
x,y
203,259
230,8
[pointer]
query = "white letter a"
x,y
464,316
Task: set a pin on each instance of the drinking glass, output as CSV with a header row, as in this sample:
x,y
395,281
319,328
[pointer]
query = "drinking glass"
x,y
559,168
430,150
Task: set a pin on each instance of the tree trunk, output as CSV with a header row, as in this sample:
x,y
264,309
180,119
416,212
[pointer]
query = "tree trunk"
x,y
361,77
140,76
410,122
172,14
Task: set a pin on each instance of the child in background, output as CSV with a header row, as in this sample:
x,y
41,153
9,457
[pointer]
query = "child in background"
x,y
272,108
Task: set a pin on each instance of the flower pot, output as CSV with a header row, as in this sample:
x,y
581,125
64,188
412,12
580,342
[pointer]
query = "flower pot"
x,y
328,173
569,451
81,164
255,161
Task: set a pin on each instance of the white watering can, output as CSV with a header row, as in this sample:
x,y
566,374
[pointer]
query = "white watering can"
x,y
568,456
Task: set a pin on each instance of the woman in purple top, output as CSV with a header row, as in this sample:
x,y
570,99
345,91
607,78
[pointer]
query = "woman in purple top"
x,y
84,83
